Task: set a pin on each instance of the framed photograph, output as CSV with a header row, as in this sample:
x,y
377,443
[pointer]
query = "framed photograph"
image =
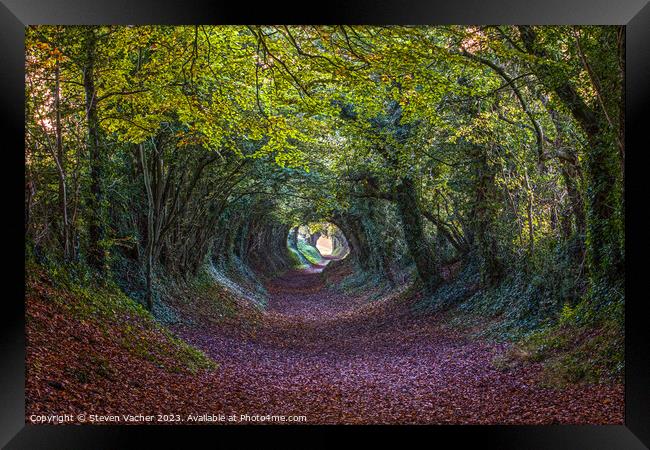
x,y
403,217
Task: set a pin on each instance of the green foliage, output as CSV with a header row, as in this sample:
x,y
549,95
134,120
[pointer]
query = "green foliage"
x,y
368,284
585,345
297,258
310,253
462,287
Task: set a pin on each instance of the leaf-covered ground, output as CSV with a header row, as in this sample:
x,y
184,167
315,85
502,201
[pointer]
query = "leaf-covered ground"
x,y
316,352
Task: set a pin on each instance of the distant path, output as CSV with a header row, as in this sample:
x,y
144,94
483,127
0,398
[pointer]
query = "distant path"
x,y
338,359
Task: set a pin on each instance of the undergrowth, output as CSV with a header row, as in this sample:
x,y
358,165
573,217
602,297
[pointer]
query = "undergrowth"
x,y
236,276
86,298
356,282
310,253
297,259
584,344
575,336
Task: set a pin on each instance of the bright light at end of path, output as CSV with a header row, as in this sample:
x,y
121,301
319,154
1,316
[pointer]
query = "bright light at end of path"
x,y
324,245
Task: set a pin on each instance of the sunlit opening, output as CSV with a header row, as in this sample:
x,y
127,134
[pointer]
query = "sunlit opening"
x,y
324,245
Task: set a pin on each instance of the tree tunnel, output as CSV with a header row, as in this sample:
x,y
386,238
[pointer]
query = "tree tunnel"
x,y
257,242
317,242
313,207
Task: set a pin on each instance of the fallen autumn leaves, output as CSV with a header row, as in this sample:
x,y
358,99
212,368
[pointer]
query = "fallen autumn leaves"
x,y
315,352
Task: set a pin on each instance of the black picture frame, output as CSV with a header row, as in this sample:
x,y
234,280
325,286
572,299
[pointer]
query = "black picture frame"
x,y
635,14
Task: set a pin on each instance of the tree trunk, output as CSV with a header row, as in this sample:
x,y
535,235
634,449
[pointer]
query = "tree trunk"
x,y
292,238
458,242
63,200
602,168
96,231
483,213
313,239
409,212
149,248
571,174
529,212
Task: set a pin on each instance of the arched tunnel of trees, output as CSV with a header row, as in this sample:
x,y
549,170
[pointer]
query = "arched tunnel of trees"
x,y
271,195
325,237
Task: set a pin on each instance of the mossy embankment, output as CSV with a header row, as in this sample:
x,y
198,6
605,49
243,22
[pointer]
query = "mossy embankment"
x,y
87,340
